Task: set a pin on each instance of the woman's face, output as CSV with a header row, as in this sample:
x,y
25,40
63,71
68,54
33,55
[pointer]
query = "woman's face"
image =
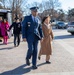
x,y
4,21
47,21
17,20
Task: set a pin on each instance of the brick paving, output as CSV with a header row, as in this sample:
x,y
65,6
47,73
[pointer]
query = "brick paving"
x,y
12,61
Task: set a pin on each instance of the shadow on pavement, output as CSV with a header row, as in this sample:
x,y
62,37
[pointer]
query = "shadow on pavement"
x,y
1,43
18,71
7,48
8,43
41,64
64,37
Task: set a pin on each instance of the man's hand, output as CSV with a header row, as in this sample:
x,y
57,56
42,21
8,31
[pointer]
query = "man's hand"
x,y
41,40
24,39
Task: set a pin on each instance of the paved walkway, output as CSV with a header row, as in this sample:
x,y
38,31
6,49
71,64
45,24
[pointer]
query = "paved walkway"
x,y
12,61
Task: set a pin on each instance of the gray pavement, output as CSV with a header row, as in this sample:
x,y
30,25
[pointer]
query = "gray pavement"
x,y
12,60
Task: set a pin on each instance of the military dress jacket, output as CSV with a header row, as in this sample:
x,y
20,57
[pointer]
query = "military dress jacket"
x,y
31,30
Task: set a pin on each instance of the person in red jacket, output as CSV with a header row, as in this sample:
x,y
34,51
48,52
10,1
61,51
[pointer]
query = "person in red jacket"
x,y
4,27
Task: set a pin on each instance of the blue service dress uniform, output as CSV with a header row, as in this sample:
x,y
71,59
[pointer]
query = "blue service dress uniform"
x,y
32,31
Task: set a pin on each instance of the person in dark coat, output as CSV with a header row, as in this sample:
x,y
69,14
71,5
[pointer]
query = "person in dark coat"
x,y
32,32
16,31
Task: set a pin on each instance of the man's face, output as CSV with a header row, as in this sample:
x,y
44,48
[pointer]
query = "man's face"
x,y
34,13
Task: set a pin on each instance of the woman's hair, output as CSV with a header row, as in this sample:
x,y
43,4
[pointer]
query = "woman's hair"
x,y
5,19
44,18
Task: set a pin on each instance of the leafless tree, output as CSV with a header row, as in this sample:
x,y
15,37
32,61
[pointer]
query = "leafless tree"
x,y
50,7
16,6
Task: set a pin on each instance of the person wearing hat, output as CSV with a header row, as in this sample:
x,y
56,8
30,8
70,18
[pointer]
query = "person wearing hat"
x,y
32,33
16,31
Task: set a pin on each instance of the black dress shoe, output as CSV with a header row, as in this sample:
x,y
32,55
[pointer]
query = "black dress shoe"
x,y
17,45
47,62
28,62
39,57
34,67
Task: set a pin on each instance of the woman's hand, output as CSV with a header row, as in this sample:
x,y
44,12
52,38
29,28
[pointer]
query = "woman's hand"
x,y
24,39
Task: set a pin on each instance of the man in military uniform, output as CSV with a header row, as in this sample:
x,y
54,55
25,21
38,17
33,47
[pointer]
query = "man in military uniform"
x,y
32,32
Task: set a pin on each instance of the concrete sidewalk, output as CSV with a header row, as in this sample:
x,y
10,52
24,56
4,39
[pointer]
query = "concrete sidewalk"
x,y
12,61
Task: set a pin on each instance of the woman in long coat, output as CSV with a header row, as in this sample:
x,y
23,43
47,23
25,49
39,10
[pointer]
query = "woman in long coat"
x,y
46,47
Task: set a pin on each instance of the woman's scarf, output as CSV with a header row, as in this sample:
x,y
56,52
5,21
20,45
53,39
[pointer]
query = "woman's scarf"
x,y
48,26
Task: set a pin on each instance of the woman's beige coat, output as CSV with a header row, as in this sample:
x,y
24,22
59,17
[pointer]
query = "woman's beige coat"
x,y
46,48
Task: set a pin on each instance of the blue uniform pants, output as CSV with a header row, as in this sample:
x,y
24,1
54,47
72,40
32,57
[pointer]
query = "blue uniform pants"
x,y
32,52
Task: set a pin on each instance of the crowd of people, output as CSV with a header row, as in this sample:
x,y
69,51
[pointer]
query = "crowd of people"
x,y
32,32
